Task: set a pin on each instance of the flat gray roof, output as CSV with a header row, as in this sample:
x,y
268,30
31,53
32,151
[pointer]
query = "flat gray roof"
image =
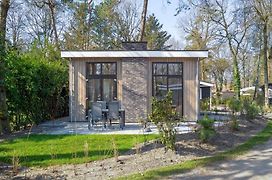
x,y
131,54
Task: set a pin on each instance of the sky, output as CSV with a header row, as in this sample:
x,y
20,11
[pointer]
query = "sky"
x,y
165,13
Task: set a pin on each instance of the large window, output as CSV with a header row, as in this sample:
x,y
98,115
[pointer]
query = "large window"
x,y
102,81
168,76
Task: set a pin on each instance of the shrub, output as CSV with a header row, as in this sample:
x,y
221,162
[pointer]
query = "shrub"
x,y
35,88
250,108
234,105
205,104
206,131
165,117
234,125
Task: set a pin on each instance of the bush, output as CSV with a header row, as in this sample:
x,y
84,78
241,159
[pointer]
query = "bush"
x,y
165,117
35,88
234,125
204,104
250,108
206,131
234,105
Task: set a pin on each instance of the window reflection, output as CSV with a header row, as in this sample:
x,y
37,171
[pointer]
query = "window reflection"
x,y
160,86
97,67
108,68
175,69
168,77
160,68
102,82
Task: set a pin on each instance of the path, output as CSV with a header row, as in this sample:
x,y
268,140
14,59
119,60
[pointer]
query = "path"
x,y
257,164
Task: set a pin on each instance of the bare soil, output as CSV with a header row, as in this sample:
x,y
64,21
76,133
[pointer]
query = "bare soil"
x,y
145,156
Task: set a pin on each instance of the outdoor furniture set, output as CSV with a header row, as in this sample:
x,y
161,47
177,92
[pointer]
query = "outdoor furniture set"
x,y
106,113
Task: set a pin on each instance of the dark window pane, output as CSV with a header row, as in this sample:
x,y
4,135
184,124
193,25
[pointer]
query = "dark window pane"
x,y
175,85
94,90
175,69
160,68
97,68
109,68
160,86
109,89
90,69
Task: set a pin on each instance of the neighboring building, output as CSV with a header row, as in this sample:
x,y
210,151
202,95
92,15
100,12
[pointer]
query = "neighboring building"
x,y
248,91
133,76
205,90
269,92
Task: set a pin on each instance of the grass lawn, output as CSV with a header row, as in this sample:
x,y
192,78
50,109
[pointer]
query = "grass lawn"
x,y
159,173
46,150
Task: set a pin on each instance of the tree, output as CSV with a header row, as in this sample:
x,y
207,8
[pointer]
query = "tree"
x,y
143,20
201,32
263,8
78,35
154,35
218,67
45,20
105,31
4,123
233,29
16,26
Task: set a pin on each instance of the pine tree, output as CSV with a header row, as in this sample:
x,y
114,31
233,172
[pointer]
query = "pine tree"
x,y
155,36
78,36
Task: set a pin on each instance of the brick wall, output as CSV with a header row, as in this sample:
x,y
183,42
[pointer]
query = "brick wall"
x,y
134,46
134,88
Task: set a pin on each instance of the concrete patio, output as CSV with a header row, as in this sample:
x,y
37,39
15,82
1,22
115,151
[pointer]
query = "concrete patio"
x,y
64,126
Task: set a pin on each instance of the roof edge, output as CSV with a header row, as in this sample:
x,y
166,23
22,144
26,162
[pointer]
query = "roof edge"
x,y
134,54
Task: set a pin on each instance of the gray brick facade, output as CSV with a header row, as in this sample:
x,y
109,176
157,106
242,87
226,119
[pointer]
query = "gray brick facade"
x,y
134,88
134,46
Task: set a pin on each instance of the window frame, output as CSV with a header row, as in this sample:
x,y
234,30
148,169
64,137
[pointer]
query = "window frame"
x,y
100,77
168,76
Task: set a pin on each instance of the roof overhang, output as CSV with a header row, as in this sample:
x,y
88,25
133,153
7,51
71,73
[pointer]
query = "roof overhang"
x,y
134,54
205,84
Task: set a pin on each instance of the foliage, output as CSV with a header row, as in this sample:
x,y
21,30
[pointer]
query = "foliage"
x,y
250,108
36,87
154,35
105,30
234,105
205,104
234,124
38,149
206,131
165,117
78,35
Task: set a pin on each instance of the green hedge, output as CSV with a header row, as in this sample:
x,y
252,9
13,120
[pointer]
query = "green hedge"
x,y
36,88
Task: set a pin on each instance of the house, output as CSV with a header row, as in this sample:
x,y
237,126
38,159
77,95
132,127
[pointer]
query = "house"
x,y
249,91
133,76
205,92
269,92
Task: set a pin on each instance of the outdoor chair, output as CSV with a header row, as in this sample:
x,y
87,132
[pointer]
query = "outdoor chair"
x,y
113,113
96,114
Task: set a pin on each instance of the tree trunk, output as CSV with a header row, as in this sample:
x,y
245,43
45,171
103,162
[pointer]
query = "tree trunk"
x,y
265,50
4,124
236,77
52,7
143,20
